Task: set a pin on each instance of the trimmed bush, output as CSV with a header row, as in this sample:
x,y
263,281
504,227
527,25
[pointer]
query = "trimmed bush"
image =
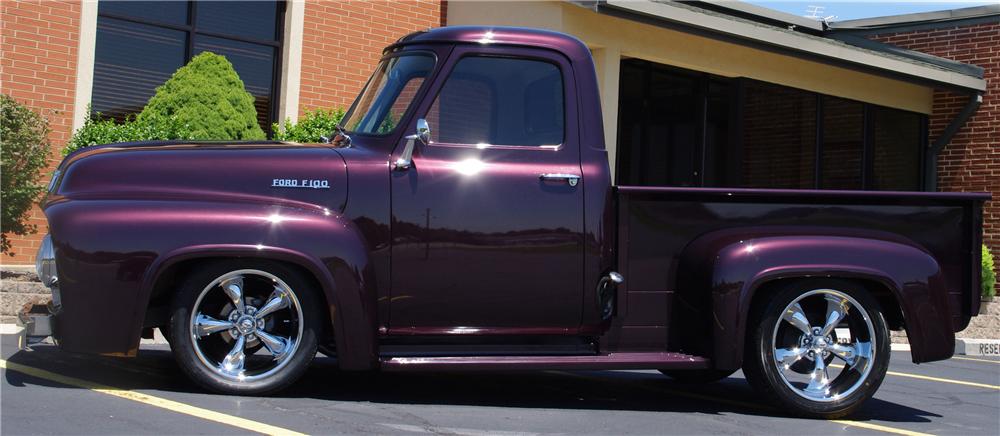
x,y
208,98
97,131
310,127
989,274
24,151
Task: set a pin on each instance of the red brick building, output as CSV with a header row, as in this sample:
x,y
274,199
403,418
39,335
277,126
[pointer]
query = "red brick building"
x,y
886,89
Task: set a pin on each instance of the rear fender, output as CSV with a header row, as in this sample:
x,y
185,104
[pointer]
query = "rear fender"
x,y
738,269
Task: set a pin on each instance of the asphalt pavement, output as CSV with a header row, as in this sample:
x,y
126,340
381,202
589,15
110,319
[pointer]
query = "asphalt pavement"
x,y
47,391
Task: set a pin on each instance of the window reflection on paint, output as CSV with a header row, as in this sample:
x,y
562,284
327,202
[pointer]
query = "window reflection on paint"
x,y
469,167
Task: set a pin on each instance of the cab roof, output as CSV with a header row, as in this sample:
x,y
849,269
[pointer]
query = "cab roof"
x,y
570,46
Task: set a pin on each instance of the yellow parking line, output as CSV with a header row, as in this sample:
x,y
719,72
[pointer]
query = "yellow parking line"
x,y
881,428
937,379
943,380
977,360
754,406
162,403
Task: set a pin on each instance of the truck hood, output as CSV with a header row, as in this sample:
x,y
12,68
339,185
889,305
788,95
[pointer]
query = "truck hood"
x,y
312,176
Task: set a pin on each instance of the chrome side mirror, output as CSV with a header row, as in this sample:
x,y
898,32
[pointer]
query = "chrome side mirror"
x,y
423,134
423,131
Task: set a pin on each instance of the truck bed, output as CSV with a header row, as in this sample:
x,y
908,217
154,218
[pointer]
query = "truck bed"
x,y
656,226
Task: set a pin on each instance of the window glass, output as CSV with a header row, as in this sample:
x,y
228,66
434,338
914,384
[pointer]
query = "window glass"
x,y
388,94
779,137
843,144
631,122
672,128
253,62
722,155
897,142
500,101
660,135
131,60
167,12
245,19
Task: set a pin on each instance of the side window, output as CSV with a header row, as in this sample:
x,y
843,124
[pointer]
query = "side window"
x,y
500,101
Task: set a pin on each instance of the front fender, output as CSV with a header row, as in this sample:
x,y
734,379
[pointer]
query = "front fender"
x,y
110,254
735,269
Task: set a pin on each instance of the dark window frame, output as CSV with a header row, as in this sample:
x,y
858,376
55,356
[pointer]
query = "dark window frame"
x,y
191,30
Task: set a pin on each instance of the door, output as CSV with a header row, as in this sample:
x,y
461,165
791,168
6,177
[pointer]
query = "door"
x,y
487,227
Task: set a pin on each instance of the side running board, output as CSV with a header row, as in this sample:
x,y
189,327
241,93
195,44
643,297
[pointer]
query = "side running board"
x,y
654,360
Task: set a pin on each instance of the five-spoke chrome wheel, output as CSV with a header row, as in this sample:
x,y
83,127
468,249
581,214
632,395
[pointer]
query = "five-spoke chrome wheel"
x,y
818,347
815,329
246,324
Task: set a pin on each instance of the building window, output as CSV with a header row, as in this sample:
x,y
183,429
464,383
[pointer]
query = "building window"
x,y
778,139
897,149
842,145
660,133
140,44
683,128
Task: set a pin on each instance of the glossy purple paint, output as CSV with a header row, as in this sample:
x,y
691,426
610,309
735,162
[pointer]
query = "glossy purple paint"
x,y
469,242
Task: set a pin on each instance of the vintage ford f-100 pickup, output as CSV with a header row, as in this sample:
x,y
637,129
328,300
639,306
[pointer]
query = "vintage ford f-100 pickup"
x,y
463,218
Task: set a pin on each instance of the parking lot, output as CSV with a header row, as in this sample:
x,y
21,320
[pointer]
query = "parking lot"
x,y
46,391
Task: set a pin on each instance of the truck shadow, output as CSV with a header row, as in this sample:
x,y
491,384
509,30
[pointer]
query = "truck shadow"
x,y
154,371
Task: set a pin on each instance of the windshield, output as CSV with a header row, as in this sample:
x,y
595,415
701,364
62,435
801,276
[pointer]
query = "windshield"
x,y
388,93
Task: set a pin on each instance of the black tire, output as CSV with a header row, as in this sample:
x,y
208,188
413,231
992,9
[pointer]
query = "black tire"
x,y
763,331
697,376
192,360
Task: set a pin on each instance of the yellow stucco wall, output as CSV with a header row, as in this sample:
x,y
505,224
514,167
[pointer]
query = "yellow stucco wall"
x,y
612,38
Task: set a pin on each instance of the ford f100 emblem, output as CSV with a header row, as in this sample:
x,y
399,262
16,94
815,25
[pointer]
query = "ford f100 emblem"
x,y
301,183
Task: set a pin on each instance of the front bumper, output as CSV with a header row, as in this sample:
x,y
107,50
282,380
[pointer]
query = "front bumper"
x,y
38,320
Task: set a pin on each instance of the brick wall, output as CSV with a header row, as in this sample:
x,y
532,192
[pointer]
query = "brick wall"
x,y
343,41
971,162
38,55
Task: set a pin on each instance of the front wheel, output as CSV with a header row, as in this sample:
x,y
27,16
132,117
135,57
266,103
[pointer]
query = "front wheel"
x,y
819,348
245,328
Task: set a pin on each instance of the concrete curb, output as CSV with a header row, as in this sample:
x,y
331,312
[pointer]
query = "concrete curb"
x,y
12,337
977,347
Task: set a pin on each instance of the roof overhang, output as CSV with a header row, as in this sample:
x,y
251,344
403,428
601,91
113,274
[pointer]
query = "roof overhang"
x,y
790,42
986,13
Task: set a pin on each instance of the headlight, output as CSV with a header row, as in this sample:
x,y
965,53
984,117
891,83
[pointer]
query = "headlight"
x,y
45,263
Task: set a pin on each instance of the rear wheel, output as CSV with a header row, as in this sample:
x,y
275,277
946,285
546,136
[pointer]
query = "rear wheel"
x,y
819,348
245,328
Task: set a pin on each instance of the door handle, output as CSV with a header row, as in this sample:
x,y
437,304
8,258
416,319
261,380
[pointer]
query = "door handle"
x,y
572,179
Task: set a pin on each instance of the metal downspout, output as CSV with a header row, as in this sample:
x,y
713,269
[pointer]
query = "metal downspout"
x,y
934,150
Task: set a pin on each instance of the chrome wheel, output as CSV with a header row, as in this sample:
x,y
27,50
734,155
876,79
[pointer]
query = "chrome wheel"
x,y
815,329
246,325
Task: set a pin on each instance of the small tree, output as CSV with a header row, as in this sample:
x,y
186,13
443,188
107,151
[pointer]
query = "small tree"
x,y
208,97
24,149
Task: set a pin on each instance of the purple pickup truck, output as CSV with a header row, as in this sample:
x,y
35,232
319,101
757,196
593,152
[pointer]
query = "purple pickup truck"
x,y
463,218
